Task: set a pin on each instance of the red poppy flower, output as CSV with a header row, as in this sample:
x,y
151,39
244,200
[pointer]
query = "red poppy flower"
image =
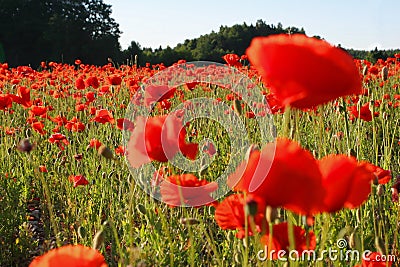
x,y
120,150
90,96
24,96
5,101
125,124
375,259
78,180
279,241
186,190
59,139
75,125
381,176
363,113
114,79
157,93
94,143
277,174
103,116
232,60
230,214
304,72
80,84
38,126
71,256
92,81
158,138
38,110
42,168
347,183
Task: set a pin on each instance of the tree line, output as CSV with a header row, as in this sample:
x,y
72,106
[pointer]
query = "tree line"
x,y
32,31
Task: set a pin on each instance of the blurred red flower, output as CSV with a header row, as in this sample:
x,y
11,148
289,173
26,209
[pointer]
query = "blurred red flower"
x,y
279,240
70,256
303,72
230,214
347,183
158,138
232,60
186,190
125,124
278,173
157,93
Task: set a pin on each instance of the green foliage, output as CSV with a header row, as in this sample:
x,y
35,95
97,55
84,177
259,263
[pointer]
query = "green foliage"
x,y
57,30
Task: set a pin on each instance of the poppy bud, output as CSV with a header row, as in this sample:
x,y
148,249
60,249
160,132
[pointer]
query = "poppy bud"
x,y
98,240
384,73
189,221
365,70
237,106
379,190
25,145
251,207
271,214
105,152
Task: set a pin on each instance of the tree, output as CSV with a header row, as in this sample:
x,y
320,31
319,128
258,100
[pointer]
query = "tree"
x,y
58,30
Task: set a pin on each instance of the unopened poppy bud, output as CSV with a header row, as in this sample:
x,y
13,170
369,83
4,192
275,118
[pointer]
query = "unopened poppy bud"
x,y
251,207
379,190
365,70
237,106
98,240
189,221
105,152
354,239
271,214
384,73
25,145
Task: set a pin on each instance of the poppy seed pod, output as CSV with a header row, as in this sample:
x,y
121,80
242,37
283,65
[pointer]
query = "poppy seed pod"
x,y
105,152
384,73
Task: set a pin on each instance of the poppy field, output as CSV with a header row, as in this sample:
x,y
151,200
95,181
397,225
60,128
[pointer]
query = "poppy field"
x,y
286,156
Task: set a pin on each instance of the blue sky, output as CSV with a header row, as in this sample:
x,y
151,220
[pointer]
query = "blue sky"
x,y
359,24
